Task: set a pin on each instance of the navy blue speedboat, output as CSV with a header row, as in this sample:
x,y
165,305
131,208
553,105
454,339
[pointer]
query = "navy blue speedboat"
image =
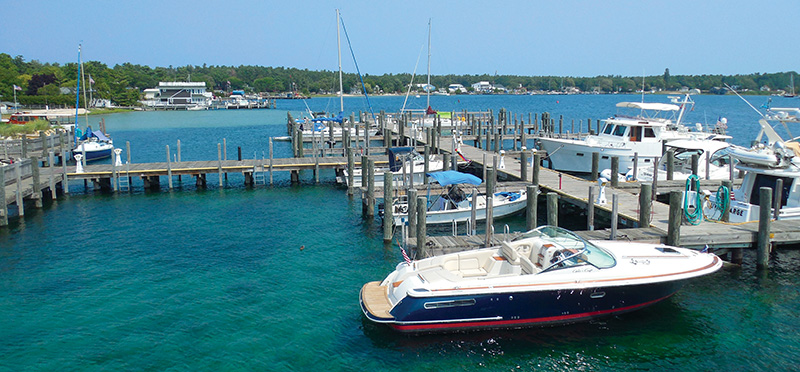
x,y
549,276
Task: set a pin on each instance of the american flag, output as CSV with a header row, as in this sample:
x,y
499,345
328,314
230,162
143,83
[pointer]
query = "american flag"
x,y
16,87
405,255
91,81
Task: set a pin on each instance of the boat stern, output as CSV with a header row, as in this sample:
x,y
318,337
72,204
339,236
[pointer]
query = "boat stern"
x,y
375,302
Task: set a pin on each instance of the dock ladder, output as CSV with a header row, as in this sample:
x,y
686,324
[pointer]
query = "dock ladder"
x,y
124,179
259,174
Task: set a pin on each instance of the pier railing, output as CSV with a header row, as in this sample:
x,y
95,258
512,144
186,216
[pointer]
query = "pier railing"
x,y
60,141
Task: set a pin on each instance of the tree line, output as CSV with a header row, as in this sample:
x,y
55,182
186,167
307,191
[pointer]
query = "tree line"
x,y
54,83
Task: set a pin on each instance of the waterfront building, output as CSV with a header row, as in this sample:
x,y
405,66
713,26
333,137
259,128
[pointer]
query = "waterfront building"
x,y
177,95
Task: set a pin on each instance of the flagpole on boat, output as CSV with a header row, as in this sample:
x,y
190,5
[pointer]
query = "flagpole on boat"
x,y
78,93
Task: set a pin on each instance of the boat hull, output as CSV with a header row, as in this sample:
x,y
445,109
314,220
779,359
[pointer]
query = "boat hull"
x,y
525,308
461,215
575,156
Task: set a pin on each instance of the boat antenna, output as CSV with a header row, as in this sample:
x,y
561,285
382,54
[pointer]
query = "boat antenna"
x,y
339,49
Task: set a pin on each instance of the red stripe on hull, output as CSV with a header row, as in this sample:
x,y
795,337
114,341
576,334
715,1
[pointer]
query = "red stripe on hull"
x,y
505,323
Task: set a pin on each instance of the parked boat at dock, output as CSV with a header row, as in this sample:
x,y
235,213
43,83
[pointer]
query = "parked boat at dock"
x,y
403,162
549,276
763,165
717,166
94,145
625,135
454,205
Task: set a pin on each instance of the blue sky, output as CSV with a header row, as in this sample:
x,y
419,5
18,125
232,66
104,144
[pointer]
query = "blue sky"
x,y
564,38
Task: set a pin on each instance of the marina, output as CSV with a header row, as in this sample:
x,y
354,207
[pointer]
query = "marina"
x,y
287,205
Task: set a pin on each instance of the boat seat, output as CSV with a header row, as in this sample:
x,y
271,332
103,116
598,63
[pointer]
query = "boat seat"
x,y
509,253
526,265
794,146
545,255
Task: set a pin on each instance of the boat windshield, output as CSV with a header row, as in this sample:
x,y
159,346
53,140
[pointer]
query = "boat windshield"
x,y
576,251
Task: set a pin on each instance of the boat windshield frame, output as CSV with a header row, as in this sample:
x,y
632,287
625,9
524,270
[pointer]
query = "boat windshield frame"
x,y
582,251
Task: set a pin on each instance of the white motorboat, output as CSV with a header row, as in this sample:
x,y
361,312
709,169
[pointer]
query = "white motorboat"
x,y
623,136
763,165
456,205
403,162
549,276
717,163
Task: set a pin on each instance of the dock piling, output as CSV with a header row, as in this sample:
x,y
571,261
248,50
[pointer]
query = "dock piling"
x,y
614,171
595,166
532,192
675,218
422,220
590,210
412,213
552,208
489,220
388,221
645,203
614,215
764,215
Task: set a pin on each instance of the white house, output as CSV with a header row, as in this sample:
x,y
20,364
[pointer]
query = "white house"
x,y
456,88
482,87
177,95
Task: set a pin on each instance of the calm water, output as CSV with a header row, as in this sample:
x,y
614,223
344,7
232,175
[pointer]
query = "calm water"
x,y
268,278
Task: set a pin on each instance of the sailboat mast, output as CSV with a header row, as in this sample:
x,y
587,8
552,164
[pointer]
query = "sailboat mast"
x,y
78,88
339,48
428,87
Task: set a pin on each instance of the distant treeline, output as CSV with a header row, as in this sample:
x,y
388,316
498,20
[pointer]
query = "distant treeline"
x,y
52,83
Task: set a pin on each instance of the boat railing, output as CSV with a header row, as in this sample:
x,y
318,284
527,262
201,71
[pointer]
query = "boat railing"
x,y
506,232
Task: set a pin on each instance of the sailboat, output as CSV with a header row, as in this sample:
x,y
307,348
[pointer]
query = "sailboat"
x,y
790,95
92,145
322,126
430,116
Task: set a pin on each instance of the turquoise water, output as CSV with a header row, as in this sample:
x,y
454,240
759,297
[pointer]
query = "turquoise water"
x,y
216,279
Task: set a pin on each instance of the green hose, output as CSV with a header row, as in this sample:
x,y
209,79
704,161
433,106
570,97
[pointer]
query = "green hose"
x,y
723,199
696,215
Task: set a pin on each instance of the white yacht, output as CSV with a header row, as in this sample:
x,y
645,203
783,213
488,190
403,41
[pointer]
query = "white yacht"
x,y
716,166
763,165
624,135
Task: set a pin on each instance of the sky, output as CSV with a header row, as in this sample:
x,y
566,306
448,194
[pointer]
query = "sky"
x,y
531,38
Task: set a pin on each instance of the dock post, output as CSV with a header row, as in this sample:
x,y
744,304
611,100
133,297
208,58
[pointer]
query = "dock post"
x,y
36,190
25,147
412,213
371,188
726,214
64,182
497,141
537,162
299,145
219,163
552,208
614,171
489,220
645,202
422,220
595,166
225,150
762,249
614,215
473,216
674,223
52,176
446,161
387,138
128,151
169,169
388,191
20,204
490,181
351,167
777,198
3,206
670,164
731,168
708,166
270,160
655,178
43,138
590,210
532,207
695,161
635,166
523,164
426,166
